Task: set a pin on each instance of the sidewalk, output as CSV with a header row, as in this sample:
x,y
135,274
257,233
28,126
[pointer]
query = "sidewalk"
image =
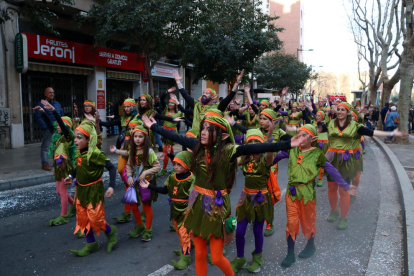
x,y
22,167
401,159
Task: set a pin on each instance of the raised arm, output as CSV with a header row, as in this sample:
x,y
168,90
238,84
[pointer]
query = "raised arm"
x,y
188,99
46,121
225,102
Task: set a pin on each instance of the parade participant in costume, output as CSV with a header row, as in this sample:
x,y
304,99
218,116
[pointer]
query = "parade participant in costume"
x,y
90,214
322,142
214,156
293,115
178,186
142,164
345,155
304,164
89,113
124,153
170,111
207,101
267,116
255,203
62,150
356,117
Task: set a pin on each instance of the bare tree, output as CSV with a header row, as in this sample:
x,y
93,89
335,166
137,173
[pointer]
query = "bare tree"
x,y
406,67
377,33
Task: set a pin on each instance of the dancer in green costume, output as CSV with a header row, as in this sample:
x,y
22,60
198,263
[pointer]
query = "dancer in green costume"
x,y
209,203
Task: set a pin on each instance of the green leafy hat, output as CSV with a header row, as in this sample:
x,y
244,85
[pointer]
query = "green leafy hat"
x,y
222,123
87,128
135,122
269,113
148,96
193,132
214,112
67,121
311,129
142,129
212,91
184,159
90,102
295,104
254,134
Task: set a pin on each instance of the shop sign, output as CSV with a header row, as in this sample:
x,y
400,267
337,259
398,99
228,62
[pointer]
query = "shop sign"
x,y
337,98
47,48
100,99
20,45
163,71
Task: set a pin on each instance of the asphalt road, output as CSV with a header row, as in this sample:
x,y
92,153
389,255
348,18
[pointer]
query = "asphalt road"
x,y
30,247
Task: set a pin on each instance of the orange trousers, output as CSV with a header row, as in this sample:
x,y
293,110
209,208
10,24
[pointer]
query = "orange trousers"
x,y
216,249
185,239
344,201
88,218
321,171
355,182
166,158
303,214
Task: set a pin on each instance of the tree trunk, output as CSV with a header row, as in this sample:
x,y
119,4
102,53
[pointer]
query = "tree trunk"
x,y
149,73
404,99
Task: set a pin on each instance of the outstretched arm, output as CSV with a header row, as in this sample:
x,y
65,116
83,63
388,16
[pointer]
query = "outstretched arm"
x,y
225,102
336,176
280,156
188,99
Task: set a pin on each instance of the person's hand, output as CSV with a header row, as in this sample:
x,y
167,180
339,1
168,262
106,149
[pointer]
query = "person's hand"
x,y
313,92
168,149
39,109
68,181
229,119
285,90
237,101
297,140
97,117
188,149
142,176
112,148
291,128
110,116
75,110
178,120
109,192
271,128
47,105
173,97
247,89
398,133
131,182
240,77
160,155
144,184
352,190
89,117
243,109
148,122
172,89
177,76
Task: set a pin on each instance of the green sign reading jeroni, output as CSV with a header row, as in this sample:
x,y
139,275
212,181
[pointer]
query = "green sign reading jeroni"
x,y
20,48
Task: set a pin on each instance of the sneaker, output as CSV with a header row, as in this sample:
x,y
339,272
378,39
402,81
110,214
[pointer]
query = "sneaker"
x,y
147,235
59,221
270,229
46,167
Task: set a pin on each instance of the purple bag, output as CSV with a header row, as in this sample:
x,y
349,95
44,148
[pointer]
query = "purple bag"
x,y
145,193
124,176
130,196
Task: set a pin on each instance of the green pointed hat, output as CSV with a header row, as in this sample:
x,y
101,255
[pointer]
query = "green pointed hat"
x,y
295,104
130,102
222,123
269,113
214,112
148,96
135,122
254,134
90,102
142,129
87,128
193,132
68,121
265,102
184,159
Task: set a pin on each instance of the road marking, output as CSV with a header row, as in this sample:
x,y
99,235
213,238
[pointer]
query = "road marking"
x,y
162,271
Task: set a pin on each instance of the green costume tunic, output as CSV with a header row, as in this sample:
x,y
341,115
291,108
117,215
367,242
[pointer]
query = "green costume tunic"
x,y
172,126
323,139
251,123
199,112
202,219
179,189
348,139
256,175
62,151
281,122
294,121
304,172
89,173
151,159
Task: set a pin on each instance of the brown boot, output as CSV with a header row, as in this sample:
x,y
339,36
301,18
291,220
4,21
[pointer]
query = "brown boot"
x,y
46,167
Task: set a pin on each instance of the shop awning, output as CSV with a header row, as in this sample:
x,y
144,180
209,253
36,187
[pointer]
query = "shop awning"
x,y
54,68
121,75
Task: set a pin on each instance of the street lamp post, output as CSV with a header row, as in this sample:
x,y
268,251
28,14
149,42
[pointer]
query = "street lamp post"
x,y
301,50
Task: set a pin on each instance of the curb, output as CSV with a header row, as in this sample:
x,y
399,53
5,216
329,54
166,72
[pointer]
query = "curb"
x,y
24,182
406,194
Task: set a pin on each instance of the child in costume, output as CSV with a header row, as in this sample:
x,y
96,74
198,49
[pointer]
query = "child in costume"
x,y
255,203
124,153
63,150
90,214
304,164
142,164
344,153
178,186
214,163
89,113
